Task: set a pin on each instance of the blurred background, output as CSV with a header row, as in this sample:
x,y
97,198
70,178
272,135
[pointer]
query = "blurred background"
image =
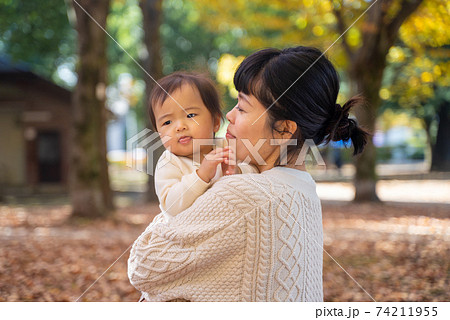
x,y
74,81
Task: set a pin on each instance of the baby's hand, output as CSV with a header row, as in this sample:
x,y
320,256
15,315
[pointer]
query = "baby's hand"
x,y
229,165
208,167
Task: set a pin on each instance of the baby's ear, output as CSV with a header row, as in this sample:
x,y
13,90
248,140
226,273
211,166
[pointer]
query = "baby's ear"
x,y
216,124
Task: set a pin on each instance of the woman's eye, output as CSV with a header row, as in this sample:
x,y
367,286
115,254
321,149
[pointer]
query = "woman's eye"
x,y
191,115
166,123
239,109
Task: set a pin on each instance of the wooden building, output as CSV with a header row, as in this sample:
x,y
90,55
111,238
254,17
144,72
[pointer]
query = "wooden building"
x,y
34,132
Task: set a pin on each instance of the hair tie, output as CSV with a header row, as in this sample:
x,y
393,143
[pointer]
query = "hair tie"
x,y
337,116
338,122
343,113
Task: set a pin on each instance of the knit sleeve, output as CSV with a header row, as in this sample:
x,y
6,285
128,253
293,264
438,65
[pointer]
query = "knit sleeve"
x,y
172,252
176,191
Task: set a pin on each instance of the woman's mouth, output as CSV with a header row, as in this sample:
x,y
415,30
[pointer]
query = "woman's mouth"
x,y
229,135
184,140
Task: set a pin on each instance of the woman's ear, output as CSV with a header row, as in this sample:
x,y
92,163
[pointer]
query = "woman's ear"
x,y
286,129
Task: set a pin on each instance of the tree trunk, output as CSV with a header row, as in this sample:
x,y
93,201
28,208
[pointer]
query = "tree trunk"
x,y
440,160
368,82
90,191
152,14
426,121
365,71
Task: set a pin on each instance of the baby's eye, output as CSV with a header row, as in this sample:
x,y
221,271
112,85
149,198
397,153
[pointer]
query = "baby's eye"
x,y
191,115
166,123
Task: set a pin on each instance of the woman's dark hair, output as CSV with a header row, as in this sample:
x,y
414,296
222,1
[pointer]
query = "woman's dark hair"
x,y
300,84
174,81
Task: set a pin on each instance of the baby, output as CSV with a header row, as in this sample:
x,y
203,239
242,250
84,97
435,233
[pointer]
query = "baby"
x,y
185,107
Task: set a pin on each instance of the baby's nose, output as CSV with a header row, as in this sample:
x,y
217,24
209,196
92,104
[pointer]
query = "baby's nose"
x,y
181,126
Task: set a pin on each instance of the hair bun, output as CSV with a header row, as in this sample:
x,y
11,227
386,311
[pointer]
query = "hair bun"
x,y
345,128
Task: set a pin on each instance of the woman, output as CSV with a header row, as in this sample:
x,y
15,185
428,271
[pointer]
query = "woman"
x,y
255,237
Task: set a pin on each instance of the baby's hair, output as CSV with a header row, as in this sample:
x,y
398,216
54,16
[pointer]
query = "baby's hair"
x,y
174,81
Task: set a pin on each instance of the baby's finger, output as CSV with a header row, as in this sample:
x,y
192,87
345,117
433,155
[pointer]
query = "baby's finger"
x,y
224,153
211,157
230,162
216,160
219,156
215,151
230,150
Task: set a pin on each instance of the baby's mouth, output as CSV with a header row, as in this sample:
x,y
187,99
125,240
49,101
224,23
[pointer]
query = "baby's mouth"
x,y
184,140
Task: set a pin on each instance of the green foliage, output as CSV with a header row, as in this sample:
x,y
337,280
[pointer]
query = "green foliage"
x,y
188,45
125,52
124,24
39,33
277,23
416,83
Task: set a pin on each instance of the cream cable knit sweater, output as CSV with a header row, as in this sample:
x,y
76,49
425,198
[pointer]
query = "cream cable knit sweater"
x,y
250,237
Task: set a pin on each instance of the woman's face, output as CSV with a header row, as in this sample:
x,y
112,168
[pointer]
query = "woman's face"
x,y
248,126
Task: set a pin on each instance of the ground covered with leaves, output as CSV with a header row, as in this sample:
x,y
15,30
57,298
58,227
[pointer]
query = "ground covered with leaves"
x,y
388,252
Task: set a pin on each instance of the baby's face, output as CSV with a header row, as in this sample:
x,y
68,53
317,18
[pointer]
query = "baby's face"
x,y
179,124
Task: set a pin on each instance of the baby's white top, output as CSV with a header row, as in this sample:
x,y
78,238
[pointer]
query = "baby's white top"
x,y
177,183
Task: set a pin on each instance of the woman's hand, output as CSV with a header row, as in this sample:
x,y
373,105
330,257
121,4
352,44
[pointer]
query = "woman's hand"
x,y
208,167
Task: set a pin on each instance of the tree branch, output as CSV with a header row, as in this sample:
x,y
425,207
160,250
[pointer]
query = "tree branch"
x,y
370,30
406,9
341,27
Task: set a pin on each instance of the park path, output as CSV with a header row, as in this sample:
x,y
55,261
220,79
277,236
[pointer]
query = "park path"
x,y
408,191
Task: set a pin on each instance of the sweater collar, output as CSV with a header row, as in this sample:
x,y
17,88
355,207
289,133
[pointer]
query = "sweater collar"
x,y
291,176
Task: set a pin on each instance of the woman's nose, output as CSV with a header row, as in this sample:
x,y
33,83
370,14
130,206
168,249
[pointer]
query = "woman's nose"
x,y
230,115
